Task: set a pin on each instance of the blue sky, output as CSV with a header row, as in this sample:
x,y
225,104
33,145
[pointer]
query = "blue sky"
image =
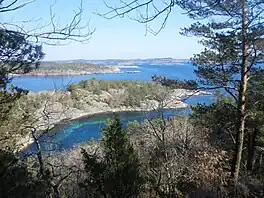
x,y
116,38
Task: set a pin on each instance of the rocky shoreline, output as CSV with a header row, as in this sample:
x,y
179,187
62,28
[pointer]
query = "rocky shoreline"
x,y
58,112
36,73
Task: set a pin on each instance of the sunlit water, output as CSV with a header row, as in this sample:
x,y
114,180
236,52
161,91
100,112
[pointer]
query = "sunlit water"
x,y
180,71
68,135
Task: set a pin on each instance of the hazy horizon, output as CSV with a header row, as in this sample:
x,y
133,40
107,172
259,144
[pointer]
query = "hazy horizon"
x,y
119,38
117,59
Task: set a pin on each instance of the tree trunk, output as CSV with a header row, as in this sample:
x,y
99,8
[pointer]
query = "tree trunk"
x,y
242,99
251,149
56,193
260,159
39,154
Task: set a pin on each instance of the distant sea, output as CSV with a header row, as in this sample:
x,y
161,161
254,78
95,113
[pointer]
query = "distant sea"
x,y
178,71
66,136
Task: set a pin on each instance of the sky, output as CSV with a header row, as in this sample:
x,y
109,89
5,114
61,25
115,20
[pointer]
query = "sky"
x,y
118,38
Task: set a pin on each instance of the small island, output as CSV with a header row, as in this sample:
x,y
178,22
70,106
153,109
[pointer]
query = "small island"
x,y
86,67
70,69
89,97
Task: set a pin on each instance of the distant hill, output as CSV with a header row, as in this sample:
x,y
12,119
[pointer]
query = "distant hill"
x,y
61,68
152,61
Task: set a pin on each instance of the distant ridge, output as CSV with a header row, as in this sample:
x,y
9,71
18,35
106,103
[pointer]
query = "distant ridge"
x,y
157,61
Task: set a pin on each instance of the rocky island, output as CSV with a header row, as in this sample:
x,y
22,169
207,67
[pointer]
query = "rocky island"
x,y
85,67
41,111
70,69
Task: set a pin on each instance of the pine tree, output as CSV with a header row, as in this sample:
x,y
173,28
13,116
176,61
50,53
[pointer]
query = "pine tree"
x,y
233,40
118,172
17,55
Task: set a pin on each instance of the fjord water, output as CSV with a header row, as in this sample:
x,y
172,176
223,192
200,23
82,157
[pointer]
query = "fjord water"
x,y
71,134
179,71
66,136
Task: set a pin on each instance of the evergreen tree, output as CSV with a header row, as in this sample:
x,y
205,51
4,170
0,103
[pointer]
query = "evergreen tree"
x,y
117,173
233,40
232,32
18,55
17,181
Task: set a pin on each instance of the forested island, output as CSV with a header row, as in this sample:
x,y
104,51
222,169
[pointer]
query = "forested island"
x,y
85,67
69,69
44,109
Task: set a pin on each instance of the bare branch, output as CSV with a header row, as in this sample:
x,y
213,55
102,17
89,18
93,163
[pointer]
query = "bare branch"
x,y
150,13
50,32
9,7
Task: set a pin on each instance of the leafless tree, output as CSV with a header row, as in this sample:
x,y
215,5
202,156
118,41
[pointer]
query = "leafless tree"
x,y
178,157
38,123
143,12
21,44
147,11
48,32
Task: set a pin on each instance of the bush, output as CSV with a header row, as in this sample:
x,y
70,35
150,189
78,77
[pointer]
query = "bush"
x,y
17,181
118,172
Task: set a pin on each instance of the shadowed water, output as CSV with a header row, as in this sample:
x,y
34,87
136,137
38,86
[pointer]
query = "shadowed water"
x,y
68,135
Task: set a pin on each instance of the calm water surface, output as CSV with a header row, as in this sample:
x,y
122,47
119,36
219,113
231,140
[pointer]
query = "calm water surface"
x,y
180,71
67,136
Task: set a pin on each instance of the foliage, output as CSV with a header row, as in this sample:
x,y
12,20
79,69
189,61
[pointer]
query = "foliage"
x,y
179,159
17,55
62,68
117,173
233,41
46,66
127,93
233,37
17,181
219,119
221,61
175,84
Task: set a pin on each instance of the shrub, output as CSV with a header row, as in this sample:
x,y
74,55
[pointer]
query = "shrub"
x,y
118,172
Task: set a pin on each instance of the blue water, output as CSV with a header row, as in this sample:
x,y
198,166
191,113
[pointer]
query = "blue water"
x,y
180,71
67,136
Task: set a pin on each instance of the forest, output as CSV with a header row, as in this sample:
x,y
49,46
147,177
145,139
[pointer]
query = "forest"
x,y
215,151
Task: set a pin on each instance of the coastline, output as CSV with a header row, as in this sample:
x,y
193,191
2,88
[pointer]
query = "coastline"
x,y
71,74
64,74
174,102
67,115
28,140
117,110
58,125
